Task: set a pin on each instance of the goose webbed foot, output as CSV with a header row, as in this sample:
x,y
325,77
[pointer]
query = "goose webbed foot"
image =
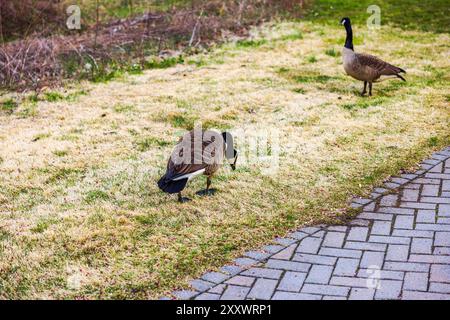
x,y
182,199
206,192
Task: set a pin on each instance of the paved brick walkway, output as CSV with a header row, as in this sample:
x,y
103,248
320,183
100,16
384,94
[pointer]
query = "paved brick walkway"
x,y
398,247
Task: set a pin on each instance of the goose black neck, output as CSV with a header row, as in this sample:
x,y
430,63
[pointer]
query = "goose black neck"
x,y
349,39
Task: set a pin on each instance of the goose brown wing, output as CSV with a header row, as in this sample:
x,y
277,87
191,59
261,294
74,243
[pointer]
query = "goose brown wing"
x,y
378,65
198,160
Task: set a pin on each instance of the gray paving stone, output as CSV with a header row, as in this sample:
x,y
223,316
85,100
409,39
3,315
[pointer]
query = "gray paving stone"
x,y
397,252
389,200
245,262
395,210
440,287
389,289
292,281
333,298
440,273
443,220
262,289
314,259
262,273
406,266
325,289
310,230
273,248
442,239
432,227
235,293
410,195
257,255
371,259
349,281
285,254
420,245
298,235
389,240
201,285
319,274
430,190
428,258
435,200
426,216
185,294
215,277
280,295
444,210
309,245
288,265
416,295
334,239
241,281
417,281
358,234
381,228
365,246
361,294
285,241
404,222
208,296
374,216
346,267
338,228
345,253
441,251
218,289
417,205
384,274
413,233
231,269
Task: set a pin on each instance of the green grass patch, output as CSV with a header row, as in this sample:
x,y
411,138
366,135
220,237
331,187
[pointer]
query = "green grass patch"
x,y
246,43
332,53
95,195
124,108
146,143
426,15
8,106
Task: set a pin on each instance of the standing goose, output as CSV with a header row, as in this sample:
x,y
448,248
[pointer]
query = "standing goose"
x,y
365,67
199,152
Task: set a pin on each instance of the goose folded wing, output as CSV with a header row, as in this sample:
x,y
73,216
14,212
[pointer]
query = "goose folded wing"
x,y
199,160
382,67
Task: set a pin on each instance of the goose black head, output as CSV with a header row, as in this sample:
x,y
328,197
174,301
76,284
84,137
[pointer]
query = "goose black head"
x,y
346,22
230,152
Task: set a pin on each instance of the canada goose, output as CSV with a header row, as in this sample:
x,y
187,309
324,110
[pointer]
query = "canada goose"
x,y
198,152
365,67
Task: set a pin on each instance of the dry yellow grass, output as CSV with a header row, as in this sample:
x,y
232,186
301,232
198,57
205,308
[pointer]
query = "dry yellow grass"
x,y
80,212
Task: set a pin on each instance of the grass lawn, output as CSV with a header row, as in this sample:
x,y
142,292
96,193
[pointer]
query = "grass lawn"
x,y
80,212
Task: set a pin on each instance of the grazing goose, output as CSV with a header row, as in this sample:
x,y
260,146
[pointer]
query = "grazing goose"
x,y
199,152
365,67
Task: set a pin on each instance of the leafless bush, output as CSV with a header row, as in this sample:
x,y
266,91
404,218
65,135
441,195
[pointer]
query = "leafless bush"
x,y
45,60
